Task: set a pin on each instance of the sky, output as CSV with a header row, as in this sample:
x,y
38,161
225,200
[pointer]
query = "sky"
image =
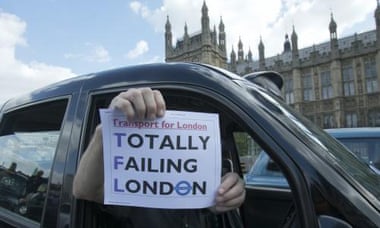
x,y
45,41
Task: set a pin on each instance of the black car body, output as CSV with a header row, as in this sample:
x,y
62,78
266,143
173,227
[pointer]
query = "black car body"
x,y
328,185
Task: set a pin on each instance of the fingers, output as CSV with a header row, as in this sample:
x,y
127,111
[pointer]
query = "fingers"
x,y
139,104
231,204
160,102
231,193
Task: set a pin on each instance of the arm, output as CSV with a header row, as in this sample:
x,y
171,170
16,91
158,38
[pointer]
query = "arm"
x,y
89,178
137,104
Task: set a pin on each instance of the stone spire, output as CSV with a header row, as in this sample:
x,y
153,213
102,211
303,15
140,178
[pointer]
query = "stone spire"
x,y
240,51
222,36
333,37
294,43
377,20
168,37
261,55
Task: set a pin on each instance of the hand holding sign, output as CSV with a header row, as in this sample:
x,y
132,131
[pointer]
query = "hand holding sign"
x,y
172,162
138,104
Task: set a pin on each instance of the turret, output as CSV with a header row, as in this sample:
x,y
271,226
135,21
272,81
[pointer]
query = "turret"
x,y
205,19
294,44
233,60
240,51
333,38
249,55
377,19
287,47
186,38
214,36
261,55
332,28
222,36
168,37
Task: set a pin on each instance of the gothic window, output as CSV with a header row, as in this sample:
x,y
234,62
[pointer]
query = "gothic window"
x,y
374,118
327,89
370,75
289,91
348,80
328,121
351,119
308,92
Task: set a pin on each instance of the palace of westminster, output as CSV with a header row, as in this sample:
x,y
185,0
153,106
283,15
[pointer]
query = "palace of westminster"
x,y
335,84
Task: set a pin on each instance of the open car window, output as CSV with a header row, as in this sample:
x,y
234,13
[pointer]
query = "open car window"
x,y
175,100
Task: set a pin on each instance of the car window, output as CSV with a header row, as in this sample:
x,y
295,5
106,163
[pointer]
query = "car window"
x,y
28,140
248,150
175,100
258,168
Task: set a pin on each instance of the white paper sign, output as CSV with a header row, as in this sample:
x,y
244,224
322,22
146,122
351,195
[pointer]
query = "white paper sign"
x,y
171,162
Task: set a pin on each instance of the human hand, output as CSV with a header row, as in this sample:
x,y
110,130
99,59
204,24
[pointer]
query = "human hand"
x,y
140,103
230,194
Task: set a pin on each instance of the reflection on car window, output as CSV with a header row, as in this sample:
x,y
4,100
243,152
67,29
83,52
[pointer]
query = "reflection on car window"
x,y
28,141
258,168
248,149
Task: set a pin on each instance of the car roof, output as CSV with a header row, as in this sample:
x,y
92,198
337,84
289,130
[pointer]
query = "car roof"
x,y
189,73
361,132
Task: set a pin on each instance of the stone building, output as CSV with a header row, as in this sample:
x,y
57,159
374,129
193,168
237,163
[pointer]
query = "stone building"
x,y
335,84
206,46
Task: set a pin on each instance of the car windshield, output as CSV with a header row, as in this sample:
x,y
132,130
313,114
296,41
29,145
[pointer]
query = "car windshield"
x,y
345,162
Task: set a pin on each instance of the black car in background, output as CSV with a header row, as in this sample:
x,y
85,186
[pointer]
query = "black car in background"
x,y
329,185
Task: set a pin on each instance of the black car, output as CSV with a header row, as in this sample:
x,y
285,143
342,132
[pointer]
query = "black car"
x,y
329,186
